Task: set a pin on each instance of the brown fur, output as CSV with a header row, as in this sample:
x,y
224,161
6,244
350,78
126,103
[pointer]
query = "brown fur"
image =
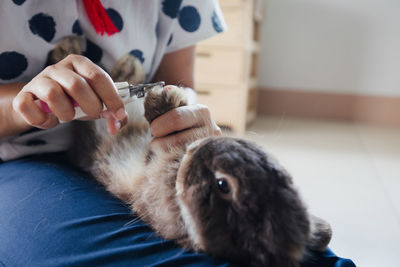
x,y
262,221
221,195
127,68
158,103
68,45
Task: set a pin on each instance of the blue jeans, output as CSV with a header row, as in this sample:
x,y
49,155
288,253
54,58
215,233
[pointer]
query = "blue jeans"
x,y
54,215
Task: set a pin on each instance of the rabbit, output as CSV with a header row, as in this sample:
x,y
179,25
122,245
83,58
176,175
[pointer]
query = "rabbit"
x,y
221,195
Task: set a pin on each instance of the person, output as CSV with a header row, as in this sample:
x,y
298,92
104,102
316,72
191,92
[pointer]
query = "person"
x,y
53,214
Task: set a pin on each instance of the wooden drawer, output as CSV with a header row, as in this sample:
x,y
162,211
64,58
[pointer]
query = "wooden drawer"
x,y
225,105
236,20
219,66
225,3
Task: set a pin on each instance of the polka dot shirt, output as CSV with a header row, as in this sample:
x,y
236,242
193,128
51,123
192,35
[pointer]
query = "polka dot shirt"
x,y
146,30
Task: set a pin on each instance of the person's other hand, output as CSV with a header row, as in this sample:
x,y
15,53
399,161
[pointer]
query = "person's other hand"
x,y
181,125
76,77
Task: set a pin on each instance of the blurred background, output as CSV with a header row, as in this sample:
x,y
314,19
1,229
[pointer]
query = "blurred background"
x,y
317,84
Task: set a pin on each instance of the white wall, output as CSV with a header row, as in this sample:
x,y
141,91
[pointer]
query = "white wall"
x,y
345,46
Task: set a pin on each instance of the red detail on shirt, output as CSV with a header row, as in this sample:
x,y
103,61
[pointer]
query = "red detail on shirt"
x,y
99,18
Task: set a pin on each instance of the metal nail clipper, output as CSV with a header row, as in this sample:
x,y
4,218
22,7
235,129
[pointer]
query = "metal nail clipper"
x,y
128,93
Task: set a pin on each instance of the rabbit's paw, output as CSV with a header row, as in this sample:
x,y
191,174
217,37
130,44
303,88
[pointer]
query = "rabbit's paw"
x,y
128,69
160,100
68,45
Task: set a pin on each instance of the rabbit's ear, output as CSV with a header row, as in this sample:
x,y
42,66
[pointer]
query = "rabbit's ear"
x,y
321,234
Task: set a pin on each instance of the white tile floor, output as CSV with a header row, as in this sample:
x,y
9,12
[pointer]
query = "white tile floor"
x,y
349,174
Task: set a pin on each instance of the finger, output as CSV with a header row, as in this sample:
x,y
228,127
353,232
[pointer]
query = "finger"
x,y
49,91
51,122
24,104
101,83
77,87
181,138
113,125
179,119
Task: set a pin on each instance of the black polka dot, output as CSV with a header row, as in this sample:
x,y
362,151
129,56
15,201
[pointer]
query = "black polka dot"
x,y
137,53
43,25
171,7
93,52
18,2
36,142
116,18
216,23
170,39
76,28
12,65
189,18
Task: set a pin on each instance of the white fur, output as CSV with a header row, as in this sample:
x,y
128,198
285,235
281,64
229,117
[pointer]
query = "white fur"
x,y
187,218
122,163
190,225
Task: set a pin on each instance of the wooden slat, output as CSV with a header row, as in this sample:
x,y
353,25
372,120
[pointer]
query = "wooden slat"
x,y
219,66
378,110
232,3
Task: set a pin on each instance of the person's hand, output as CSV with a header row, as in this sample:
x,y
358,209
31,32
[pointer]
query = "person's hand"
x,y
181,125
76,77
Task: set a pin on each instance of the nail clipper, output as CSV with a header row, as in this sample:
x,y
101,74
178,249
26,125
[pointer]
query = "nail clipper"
x,y
127,92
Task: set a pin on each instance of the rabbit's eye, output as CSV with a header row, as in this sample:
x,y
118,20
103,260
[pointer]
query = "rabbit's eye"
x,y
223,186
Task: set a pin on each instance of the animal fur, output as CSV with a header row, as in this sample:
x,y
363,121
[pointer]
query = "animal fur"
x,y
261,221
224,196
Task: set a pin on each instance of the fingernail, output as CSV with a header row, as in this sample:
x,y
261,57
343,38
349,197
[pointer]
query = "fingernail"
x,y
120,114
117,125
